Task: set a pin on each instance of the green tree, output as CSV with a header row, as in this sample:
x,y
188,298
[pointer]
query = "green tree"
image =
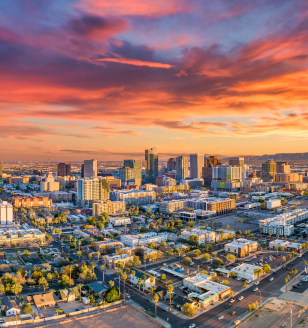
x,y
187,260
26,307
266,268
65,280
283,259
43,283
206,257
156,299
170,291
188,309
16,288
144,278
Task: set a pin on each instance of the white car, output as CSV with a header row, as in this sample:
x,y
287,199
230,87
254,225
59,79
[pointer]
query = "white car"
x,y
257,283
221,317
241,298
256,289
271,279
192,325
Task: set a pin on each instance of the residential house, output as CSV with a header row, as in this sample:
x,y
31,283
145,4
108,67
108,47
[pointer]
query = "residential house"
x,y
69,294
180,301
10,305
139,274
42,300
97,288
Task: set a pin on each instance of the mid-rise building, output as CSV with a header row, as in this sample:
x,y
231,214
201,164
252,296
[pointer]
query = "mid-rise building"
x,y
288,177
151,165
49,184
119,221
6,213
168,207
90,168
64,169
138,197
109,207
196,165
237,161
241,247
182,168
227,178
204,236
31,202
90,190
283,167
146,238
283,224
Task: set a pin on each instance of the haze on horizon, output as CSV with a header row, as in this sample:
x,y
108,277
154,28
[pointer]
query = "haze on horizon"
x,y
107,79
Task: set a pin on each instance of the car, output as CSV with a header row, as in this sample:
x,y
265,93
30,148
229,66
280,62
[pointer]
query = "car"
x,y
299,284
271,279
192,325
256,289
232,299
233,313
295,286
167,310
76,309
147,308
241,298
257,282
249,281
221,281
221,317
149,300
228,305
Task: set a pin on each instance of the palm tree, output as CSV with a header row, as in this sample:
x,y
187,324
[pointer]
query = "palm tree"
x,y
70,237
152,282
111,283
145,261
79,286
103,267
133,272
70,268
124,277
286,281
170,290
59,310
139,283
119,273
79,243
105,259
144,278
98,255
92,266
156,299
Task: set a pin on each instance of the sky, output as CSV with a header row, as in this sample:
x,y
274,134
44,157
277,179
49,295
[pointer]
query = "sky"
x,y
107,79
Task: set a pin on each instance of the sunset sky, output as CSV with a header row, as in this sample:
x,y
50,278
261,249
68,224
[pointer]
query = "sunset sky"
x,y
107,79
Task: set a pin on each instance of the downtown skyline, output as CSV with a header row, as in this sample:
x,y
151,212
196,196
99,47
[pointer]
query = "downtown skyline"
x,y
108,79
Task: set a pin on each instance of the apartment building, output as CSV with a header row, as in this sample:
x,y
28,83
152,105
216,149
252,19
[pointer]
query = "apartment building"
x,y
18,235
92,189
90,168
64,169
109,207
107,244
146,238
118,221
214,204
137,197
6,213
31,202
241,247
112,261
205,236
168,207
283,224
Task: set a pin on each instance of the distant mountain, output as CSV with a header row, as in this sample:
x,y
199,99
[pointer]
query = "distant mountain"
x,y
280,157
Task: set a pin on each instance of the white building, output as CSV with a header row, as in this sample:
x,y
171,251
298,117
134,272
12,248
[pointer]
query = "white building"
x,y
118,221
273,203
283,224
90,168
146,238
92,189
241,247
6,213
246,271
205,236
133,196
49,184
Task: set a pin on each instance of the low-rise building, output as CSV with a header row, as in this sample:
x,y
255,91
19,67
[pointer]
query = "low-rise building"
x,y
107,244
31,202
146,238
133,196
241,247
284,245
204,235
273,203
113,260
110,207
119,221
139,274
246,271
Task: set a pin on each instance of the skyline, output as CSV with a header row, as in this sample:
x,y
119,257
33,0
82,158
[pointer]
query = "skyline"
x,y
108,79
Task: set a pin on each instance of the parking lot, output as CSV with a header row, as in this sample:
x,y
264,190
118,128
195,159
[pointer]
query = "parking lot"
x,y
72,306
232,221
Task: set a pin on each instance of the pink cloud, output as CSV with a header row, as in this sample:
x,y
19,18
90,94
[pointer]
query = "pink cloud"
x,y
135,62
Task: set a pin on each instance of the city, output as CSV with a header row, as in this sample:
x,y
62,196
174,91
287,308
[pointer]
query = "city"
x,y
192,241
153,163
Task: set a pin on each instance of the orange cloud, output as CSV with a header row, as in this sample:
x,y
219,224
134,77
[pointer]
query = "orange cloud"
x,y
135,62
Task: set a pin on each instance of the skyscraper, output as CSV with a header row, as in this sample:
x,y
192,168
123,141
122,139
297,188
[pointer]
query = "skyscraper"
x,y
93,189
181,168
90,168
151,165
137,166
0,168
237,161
64,169
196,165
207,171
269,170
171,164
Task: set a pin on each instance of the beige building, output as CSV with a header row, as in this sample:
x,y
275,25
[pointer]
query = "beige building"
x,y
113,260
171,206
106,244
49,184
241,247
288,177
109,207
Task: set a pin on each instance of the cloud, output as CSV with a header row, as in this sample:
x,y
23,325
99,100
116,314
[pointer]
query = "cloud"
x,y
135,62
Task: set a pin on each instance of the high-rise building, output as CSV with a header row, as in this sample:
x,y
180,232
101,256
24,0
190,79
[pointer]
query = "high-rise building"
x,y
137,166
151,165
171,164
0,168
181,168
50,184
6,213
196,165
64,169
92,189
283,167
237,161
90,168
226,177
210,162
127,176
269,170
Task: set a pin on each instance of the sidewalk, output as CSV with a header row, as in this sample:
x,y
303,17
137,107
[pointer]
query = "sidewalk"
x,y
159,320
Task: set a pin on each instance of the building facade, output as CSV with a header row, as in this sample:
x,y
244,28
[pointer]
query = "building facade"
x,y
92,189
64,169
136,165
182,168
90,168
109,207
151,165
137,197
196,165
6,213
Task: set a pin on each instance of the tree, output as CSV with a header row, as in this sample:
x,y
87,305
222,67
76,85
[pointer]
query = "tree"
x,y
286,281
145,260
156,299
152,246
111,283
230,257
16,289
163,244
163,277
233,274
70,268
258,272
103,267
79,254
26,307
152,284
190,224
144,278
124,277
26,253
225,282
244,284
188,309
59,310
197,252
79,286
98,255
113,294
266,268
170,291
139,283
283,259
65,280
206,257
187,260
43,283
